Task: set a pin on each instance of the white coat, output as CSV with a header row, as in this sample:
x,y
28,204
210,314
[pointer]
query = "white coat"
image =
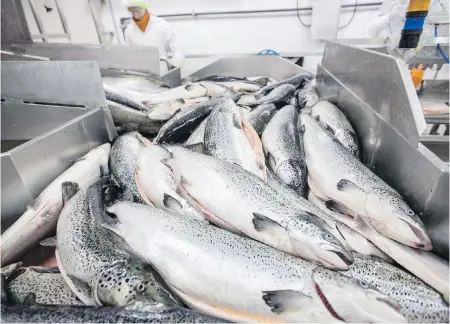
x,y
158,34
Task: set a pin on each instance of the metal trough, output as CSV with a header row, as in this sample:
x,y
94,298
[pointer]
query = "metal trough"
x,y
375,91
112,59
52,113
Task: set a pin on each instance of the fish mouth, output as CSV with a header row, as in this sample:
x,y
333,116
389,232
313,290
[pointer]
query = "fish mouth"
x,y
390,302
326,303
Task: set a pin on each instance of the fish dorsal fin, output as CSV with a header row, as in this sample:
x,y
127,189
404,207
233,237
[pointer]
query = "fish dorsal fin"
x,y
68,190
283,301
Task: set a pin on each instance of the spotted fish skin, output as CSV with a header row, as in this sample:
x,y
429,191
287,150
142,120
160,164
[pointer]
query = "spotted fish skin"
x,y
234,277
296,80
281,93
98,265
129,119
350,183
123,161
86,314
283,149
180,127
419,302
260,117
258,212
47,284
331,117
225,138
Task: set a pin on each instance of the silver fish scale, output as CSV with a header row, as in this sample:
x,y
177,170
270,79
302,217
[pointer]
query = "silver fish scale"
x,y
260,117
419,302
47,284
85,247
198,135
73,314
212,245
123,162
91,253
254,192
357,172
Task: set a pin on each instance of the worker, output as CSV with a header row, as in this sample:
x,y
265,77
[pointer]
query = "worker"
x,y
149,30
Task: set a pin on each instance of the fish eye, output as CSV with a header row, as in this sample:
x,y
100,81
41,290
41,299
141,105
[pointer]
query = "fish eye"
x,y
410,212
364,284
328,236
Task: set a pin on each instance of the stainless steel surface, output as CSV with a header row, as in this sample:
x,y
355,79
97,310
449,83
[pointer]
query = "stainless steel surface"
x,y
142,59
27,169
172,78
439,145
414,171
9,56
52,115
392,94
14,27
252,65
69,83
114,20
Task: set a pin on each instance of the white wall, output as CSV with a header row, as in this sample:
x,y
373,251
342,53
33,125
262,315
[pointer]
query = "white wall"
x,y
213,35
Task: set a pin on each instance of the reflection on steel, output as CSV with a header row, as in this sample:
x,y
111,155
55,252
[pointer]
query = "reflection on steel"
x,y
142,58
267,65
45,152
172,78
69,83
52,114
414,171
392,93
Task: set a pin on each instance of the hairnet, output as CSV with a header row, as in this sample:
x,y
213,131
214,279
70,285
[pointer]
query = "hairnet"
x,y
135,3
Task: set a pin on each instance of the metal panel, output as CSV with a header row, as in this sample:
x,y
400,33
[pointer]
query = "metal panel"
x,y
14,23
391,93
26,121
135,58
244,66
415,172
15,195
32,166
69,83
172,78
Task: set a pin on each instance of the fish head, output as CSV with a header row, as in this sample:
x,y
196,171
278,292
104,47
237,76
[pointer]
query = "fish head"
x,y
311,241
390,215
292,172
352,300
349,140
126,282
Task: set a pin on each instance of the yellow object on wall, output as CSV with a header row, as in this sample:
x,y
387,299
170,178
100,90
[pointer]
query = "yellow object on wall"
x,y
417,75
418,5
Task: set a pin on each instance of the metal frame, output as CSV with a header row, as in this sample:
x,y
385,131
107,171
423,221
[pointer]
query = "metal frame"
x,y
52,113
373,91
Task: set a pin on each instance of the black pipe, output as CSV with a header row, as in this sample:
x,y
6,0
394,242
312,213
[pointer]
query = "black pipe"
x,y
211,13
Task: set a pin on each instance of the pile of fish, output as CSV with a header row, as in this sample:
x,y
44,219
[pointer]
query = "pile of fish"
x,y
224,199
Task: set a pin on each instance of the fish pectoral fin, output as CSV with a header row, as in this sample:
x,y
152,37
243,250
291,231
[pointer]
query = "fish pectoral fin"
x,y
328,128
237,121
264,223
113,228
49,241
172,204
68,190
197,147
29,300
282,301
348,186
